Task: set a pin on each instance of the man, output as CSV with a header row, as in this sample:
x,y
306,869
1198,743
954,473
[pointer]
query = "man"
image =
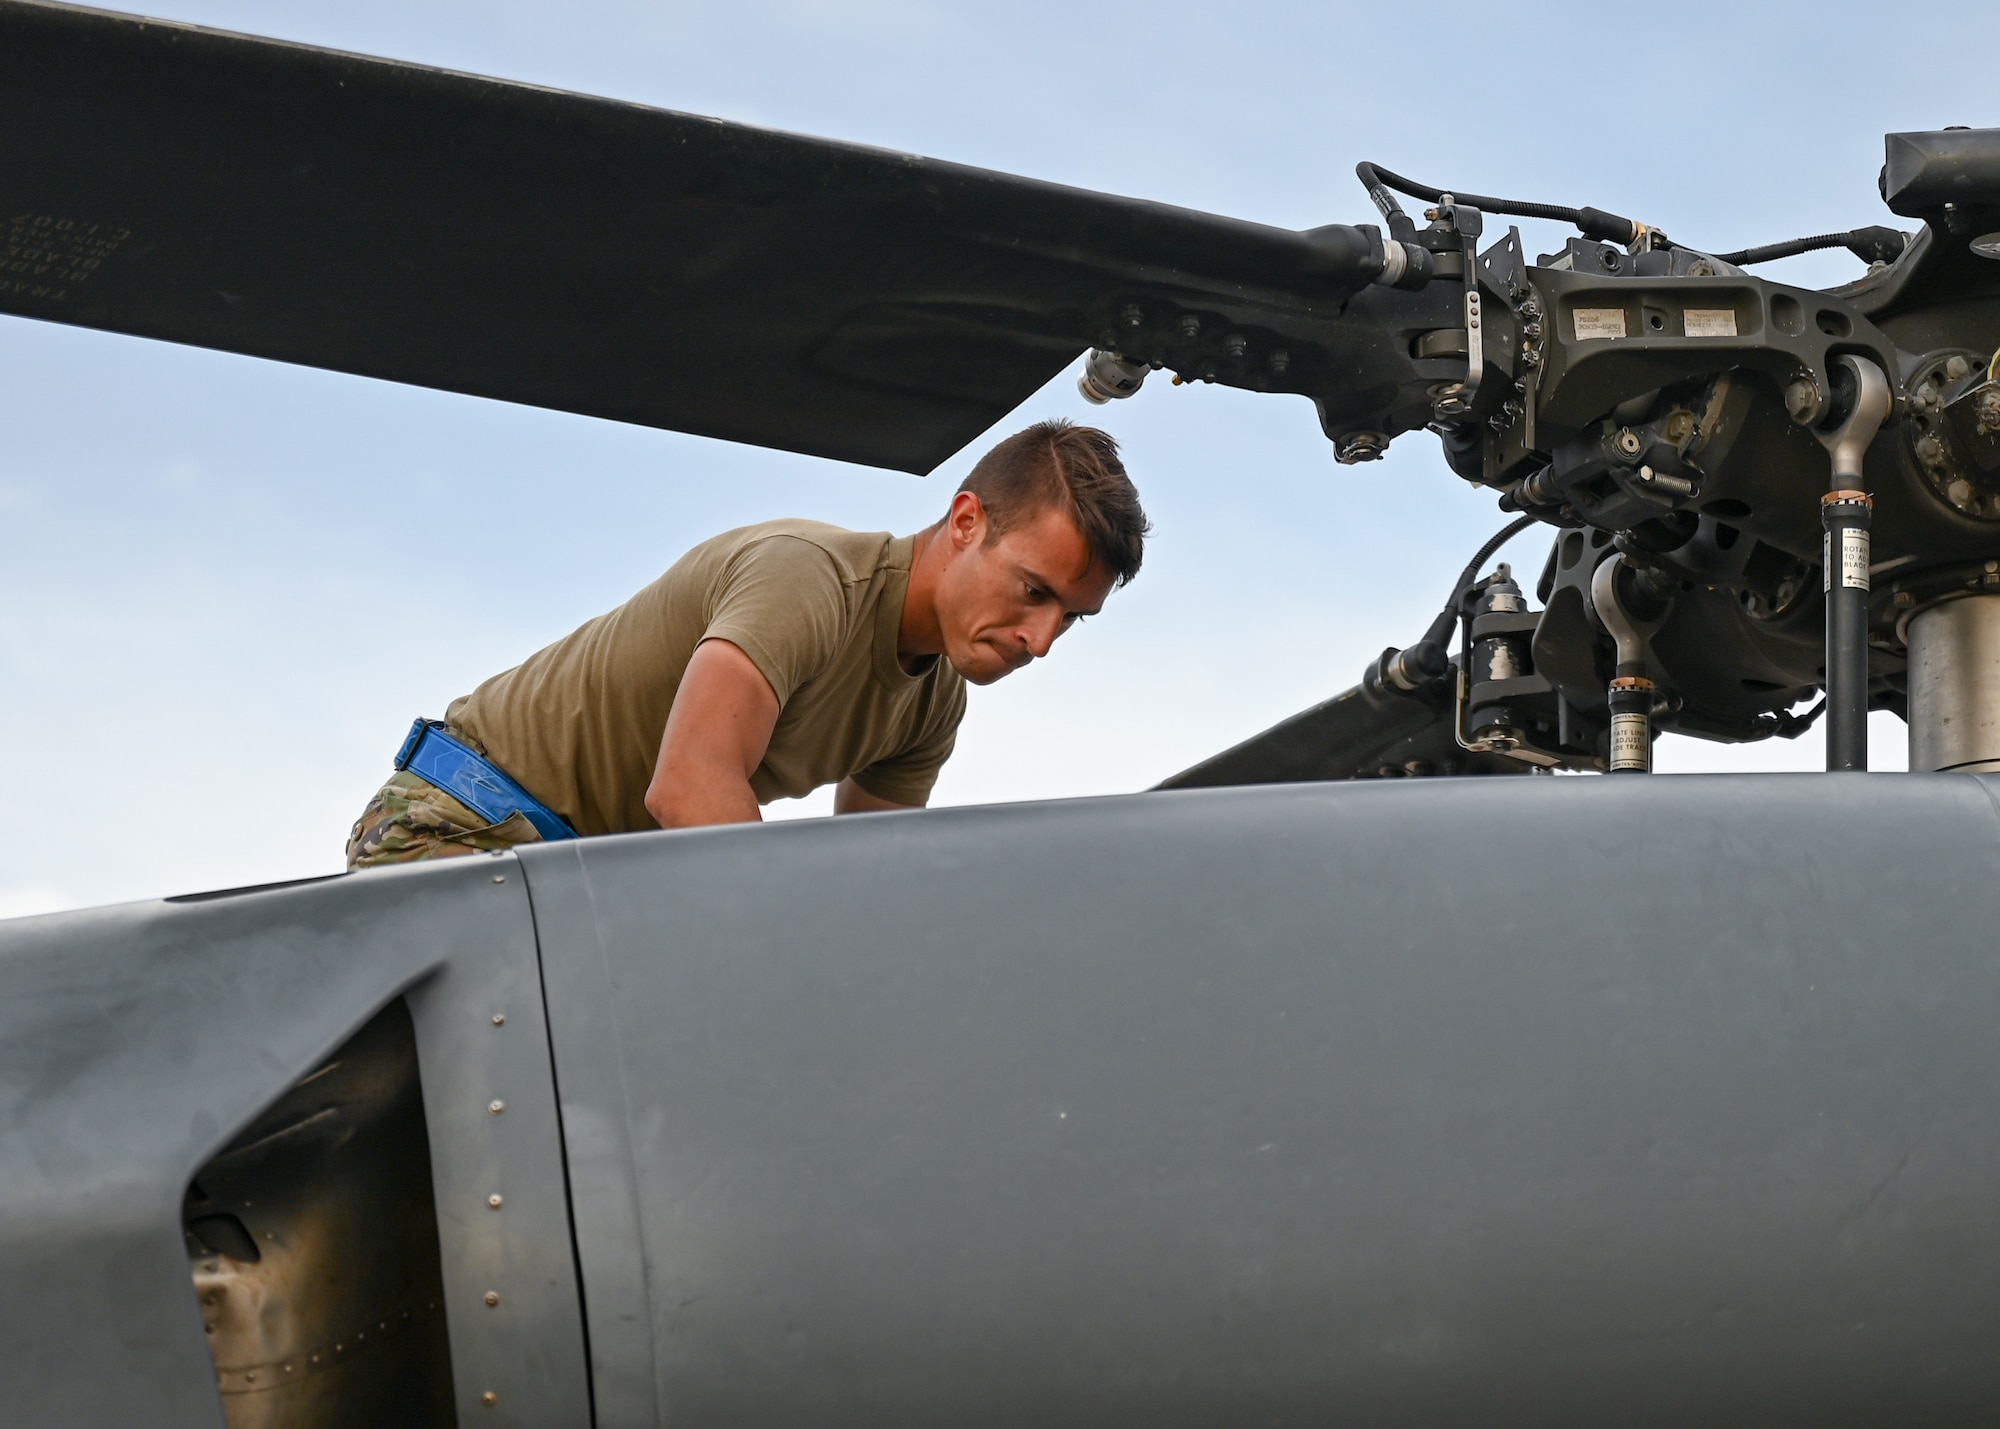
x,y
771,661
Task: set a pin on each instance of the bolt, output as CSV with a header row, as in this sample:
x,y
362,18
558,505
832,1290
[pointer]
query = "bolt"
x,y
1903,597
1190,326
1134,315
1280,360
1701,268
1955,368
492,1297
496,1107
495,1200
1628,442
1235,345
1992,566
1359,447
1530,358
499,878
1802,400
1959,493
499,1019
1929,448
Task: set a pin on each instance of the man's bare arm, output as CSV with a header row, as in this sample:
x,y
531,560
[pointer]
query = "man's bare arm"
x,y
715,738
850,798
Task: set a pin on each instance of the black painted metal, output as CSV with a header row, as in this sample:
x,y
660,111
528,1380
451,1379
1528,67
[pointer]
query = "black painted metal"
x,y
1846,643
516,242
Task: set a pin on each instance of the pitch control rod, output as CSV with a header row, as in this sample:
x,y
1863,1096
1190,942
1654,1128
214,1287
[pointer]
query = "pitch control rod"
x,y
1844,516
1631,693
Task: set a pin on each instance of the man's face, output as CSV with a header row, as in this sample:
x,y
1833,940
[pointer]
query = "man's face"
x,y
1002,603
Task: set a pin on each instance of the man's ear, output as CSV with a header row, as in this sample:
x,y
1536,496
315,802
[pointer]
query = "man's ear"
x,y
966,521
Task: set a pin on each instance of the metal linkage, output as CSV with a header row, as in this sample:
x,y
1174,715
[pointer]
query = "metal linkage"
x,y
1844,516
1631,691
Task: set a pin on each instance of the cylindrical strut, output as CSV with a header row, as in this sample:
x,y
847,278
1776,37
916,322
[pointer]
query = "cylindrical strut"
x,y
1631,702
1955,686
1845,516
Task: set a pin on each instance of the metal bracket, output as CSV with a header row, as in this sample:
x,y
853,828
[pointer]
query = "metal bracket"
x,y
1457,399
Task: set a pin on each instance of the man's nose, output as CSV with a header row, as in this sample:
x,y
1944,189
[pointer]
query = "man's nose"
x,y
1040,635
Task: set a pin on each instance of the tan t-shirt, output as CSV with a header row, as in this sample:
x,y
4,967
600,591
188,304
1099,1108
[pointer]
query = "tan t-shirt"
x,y
815,607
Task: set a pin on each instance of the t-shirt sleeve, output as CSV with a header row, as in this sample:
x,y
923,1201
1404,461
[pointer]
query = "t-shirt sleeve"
x,y
782,602
907,776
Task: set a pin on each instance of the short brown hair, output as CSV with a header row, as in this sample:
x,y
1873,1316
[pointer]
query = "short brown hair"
x,y
1074,468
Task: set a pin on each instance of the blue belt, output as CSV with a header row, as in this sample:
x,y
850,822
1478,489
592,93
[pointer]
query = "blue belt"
x,y
474,780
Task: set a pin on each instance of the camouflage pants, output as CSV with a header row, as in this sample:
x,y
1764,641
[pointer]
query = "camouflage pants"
x,y
411,818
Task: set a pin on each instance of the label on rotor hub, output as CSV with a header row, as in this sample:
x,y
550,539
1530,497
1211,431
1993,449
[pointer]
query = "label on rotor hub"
x,y
1631,742
1710,322
1851,561
1598,323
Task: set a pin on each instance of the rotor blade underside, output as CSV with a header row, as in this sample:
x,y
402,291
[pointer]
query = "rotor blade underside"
x,y
1357,734
520,243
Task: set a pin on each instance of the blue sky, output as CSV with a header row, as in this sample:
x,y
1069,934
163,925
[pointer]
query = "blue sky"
x,y
229,585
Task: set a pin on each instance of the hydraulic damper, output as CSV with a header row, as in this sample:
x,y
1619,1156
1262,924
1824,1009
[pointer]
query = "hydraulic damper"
x,y
1844,515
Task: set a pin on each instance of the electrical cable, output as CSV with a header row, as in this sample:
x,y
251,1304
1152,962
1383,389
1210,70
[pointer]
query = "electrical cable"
x,y
1440,630
1870,245
1428,660
1593,222
1791,726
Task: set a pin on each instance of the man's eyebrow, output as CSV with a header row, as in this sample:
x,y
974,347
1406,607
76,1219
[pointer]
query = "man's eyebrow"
x,y
1035,579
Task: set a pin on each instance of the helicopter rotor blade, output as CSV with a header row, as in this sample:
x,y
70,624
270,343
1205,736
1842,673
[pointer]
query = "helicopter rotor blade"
x,y
515,242
1361,733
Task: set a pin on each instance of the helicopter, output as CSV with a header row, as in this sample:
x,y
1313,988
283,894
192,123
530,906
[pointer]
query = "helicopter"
x,y
1324,1084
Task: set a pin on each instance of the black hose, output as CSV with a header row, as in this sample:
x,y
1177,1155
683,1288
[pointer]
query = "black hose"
x,y
1440,630
1870,245
1593,222
1790,726
1419,666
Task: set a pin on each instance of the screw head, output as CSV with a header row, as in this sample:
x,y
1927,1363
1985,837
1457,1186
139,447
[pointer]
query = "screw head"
x,y
496,1107
496,1200
491,1297
499,878
489,1399
499,1019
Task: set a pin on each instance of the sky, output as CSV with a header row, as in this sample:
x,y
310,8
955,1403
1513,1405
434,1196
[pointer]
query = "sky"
x,y
227,585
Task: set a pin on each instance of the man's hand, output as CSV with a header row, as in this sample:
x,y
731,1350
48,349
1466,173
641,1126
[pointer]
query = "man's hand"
x,y
716,735
850,798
